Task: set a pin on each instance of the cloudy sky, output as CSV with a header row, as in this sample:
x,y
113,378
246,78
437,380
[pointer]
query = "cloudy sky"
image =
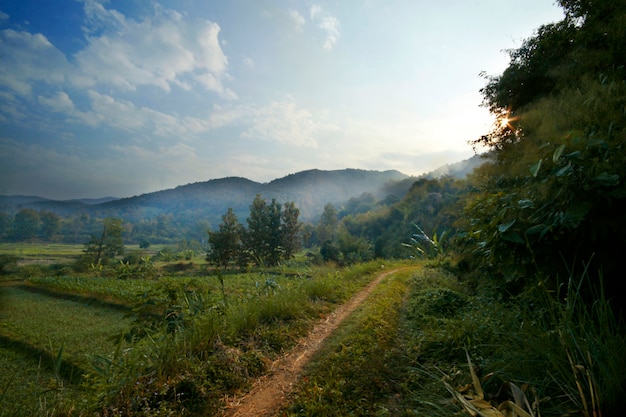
x,y
118,98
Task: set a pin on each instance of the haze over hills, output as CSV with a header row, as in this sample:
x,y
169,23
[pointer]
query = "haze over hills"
x,y
310,190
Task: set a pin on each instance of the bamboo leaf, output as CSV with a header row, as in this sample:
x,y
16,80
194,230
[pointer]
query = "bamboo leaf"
x,y
475,380
534,169
565,170
505,226
557,153
607,179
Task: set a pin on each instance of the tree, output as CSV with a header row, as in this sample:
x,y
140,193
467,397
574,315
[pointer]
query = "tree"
x,y
50,225
263,237
6,225
327,227
108,244
290,230
225,244
26,224
272,234
256,233
553,193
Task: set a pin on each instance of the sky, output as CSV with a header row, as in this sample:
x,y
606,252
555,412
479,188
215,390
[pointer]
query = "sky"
x,y
124,97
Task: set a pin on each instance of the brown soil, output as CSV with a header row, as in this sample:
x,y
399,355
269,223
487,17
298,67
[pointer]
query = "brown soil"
x,y
269,394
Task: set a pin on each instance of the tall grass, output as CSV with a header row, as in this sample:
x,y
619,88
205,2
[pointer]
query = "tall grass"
x,y
580,340
566,354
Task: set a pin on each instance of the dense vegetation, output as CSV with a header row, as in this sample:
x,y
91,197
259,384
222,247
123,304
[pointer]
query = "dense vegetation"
x,y
517,306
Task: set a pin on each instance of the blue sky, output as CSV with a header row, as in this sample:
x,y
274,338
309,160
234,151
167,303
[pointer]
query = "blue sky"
x,y
119,98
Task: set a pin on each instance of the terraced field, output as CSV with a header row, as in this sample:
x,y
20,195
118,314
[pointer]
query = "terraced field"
x,y
46,343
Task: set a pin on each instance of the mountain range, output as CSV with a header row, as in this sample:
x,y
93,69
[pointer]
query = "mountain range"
x,y
310,190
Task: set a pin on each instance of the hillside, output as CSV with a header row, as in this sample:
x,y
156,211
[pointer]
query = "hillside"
x,y
207,201
310,190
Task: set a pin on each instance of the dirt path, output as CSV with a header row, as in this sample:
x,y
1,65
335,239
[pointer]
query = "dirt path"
x,y
270,392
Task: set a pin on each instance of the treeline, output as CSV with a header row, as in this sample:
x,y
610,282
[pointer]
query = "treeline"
x,y
551,201
30,225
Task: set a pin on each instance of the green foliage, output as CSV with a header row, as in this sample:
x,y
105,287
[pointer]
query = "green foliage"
x,y
554,189
272,236
263,235
558,193
226,243
426,247
7,263
581,343
101,249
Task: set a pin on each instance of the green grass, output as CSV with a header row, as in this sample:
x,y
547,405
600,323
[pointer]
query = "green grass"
x,y
27,387
35,332
408,358
49,324
36,250
354,373
197,341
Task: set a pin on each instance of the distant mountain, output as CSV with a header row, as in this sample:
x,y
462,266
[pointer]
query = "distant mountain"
x,y
92,201
310,190
458,169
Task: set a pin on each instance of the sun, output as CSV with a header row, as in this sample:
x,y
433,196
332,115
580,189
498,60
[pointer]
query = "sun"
x,y
506,121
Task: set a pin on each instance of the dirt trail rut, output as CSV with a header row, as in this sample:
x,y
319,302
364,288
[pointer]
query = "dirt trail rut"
x,y
270,392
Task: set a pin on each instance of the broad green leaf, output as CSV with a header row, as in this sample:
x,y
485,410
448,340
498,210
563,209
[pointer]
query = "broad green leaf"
x,y
534,169
506,226
512,237
538,228
565,170
557,153
525,203
607,179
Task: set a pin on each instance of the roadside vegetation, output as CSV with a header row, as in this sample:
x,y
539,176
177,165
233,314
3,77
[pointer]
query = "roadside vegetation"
x,y
169,345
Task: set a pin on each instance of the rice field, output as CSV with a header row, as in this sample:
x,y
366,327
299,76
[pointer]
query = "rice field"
x,y
45,342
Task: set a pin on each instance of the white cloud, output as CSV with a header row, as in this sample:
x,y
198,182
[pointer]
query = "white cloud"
x,y
27,58
283,122
297,19
162,50
59,103
328,23
125,115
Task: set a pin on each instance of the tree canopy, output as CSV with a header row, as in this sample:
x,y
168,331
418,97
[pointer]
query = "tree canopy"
x,y
553,193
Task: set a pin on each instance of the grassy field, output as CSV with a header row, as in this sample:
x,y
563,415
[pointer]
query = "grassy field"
x,y
194,339
184,328
46,345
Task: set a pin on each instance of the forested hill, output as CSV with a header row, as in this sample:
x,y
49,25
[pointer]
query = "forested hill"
x,y
310,190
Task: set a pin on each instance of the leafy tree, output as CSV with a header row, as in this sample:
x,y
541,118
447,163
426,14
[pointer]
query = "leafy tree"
x,y
109,243
256,237
290,230
26,224
6,225
274,247
272,234
553,193
225,244
330,251
50,225
327,227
